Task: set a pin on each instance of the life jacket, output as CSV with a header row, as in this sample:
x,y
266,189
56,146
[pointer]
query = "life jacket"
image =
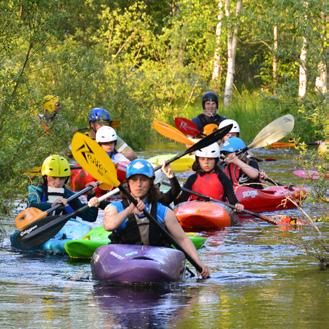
x,y
131,233
204,119
208,184
233,173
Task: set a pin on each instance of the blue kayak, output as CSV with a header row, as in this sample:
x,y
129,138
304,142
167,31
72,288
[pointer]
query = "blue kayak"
x,y
72,230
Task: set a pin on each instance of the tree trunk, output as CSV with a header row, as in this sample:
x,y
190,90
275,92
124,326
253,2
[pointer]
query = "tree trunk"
x,y
302,70
232,39
217,55
275,58
321,79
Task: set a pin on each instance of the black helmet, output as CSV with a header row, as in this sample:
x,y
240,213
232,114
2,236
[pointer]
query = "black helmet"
x,y
209,96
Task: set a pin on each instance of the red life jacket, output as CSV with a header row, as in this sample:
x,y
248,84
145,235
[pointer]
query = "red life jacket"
x,y
233,173
209,185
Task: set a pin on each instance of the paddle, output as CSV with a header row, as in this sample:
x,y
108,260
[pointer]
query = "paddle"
x,y
264,218
290,144
30,215
187,127
171,132
94,160
212,138
43,229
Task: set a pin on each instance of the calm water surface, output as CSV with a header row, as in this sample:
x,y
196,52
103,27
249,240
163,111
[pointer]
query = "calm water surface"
x,y
261,278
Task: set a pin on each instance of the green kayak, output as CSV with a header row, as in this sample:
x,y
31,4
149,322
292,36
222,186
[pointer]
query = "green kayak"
x,y
98,236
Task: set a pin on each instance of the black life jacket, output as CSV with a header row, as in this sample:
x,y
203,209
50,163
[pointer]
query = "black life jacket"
x,y
131,234
204,119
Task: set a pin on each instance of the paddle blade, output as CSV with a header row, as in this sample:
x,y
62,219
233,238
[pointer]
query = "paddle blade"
x,y
41,231
94,159
274,131
28,216
209,128
171,132
187,127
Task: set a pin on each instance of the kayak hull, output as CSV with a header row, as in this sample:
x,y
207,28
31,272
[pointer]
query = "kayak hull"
x,y
197,216
121,263
271,198
98,236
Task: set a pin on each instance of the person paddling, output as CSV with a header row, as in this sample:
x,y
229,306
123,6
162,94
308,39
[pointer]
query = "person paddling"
x,y
240,169
99,117
235,130
51,106
130,226
209,115
55,172
209,179
107,138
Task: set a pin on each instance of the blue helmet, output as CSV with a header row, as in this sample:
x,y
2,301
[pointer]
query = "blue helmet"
x,y
140,167
209,96
98,114
233,144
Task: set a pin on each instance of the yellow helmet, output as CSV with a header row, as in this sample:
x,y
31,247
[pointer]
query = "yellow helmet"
x,y
49,103
55,166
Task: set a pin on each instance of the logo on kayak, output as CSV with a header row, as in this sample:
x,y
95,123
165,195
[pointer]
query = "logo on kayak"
x,y
249,194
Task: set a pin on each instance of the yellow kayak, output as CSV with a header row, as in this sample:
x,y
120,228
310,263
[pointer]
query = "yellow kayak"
x,y
182,164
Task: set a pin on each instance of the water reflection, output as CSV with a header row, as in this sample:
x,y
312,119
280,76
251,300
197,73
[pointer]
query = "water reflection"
x,y
140,306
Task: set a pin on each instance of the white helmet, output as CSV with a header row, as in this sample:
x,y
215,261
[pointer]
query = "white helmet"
x,y
211,151
235,128
106,134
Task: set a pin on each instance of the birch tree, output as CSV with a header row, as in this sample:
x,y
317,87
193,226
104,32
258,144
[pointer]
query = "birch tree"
x,y
303,61
218,49
232,39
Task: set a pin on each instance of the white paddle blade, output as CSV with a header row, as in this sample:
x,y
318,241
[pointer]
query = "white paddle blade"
x,y
274,131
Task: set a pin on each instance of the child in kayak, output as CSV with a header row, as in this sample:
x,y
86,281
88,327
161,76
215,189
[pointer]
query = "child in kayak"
x,y
235,130
209,179
51,107
99,117
129,224
56,171
241,169
209,114
107,138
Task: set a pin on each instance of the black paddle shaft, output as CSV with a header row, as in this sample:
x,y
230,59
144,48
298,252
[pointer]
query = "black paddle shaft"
x,y
162,228
210,139
207,198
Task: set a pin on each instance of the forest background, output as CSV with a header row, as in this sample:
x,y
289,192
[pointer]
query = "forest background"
x,y
153,59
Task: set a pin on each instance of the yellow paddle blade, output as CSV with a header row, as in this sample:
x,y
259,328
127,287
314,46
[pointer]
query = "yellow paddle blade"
x,y
94,159
28,216
171,132
35,171
274,131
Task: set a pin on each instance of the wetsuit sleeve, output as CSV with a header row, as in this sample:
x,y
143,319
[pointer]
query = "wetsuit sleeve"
x,y
171,195
188,184
34,199
228,188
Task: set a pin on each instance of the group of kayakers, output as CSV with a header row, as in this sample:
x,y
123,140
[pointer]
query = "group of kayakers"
x,y
217,168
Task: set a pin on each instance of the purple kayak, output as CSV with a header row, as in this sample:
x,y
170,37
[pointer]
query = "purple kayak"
x,y
124,263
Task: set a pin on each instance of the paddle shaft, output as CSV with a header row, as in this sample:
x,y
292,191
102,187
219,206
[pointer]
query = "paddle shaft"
x,y
162,228
265,218
41,228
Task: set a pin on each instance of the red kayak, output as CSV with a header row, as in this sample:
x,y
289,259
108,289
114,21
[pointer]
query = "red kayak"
x,y
197,216
80,178
270,198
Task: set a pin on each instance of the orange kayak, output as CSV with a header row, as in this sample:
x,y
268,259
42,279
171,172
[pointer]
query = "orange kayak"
x,y
197,216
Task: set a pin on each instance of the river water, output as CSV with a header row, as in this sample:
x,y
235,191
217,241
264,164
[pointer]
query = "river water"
x,y
261,278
